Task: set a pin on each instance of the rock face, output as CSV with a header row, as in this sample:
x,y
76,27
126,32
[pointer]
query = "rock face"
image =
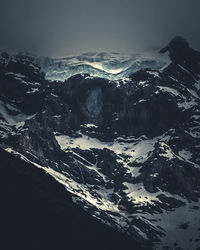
x,y
127,149
93,104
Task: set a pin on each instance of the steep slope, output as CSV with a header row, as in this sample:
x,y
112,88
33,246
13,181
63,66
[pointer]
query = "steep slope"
x,y
127,149
38,213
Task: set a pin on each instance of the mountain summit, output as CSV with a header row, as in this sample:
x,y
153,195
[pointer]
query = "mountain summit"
x,y
181,53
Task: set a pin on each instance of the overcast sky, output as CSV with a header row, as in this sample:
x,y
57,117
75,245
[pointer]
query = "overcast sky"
x,y
67,27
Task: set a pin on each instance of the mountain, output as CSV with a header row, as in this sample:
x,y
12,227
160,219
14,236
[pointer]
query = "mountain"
x,y
125,150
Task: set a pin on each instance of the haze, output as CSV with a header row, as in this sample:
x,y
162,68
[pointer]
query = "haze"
x,y
67,27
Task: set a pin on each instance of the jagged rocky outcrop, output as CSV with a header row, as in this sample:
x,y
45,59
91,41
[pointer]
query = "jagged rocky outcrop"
x,y
181,54
127,149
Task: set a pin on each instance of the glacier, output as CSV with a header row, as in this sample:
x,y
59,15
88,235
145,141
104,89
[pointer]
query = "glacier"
x,y
112,66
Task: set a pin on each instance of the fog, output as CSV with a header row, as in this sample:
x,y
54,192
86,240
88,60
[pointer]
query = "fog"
x,y
68,27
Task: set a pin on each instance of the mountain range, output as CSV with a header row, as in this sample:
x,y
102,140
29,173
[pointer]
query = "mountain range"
x,y
101,151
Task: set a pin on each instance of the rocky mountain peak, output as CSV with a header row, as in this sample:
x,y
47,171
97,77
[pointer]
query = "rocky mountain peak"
x,y
182,54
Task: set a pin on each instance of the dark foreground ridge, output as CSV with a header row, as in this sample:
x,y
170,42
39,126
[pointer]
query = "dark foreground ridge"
x,y
38,213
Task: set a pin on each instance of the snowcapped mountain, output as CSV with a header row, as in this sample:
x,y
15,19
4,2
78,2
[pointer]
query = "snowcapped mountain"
x,y
123,140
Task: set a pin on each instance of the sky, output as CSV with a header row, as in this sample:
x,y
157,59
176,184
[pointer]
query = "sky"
x,y
69,27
